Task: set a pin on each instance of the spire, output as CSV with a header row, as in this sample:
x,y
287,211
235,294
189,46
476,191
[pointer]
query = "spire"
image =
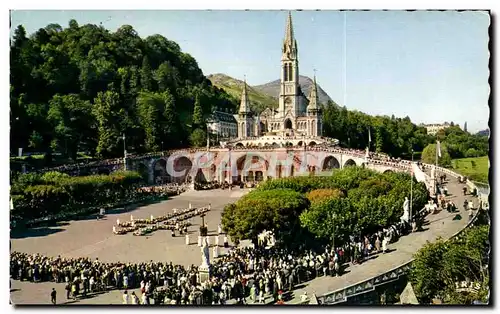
x,y
244,104
289,39
313,96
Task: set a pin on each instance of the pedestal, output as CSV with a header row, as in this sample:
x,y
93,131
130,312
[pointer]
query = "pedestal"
x,y
216,240
199,241
187,239
208,241
216,251
204,272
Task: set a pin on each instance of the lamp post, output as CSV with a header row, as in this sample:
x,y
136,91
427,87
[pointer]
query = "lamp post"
x,y
411,188
124,153
332,217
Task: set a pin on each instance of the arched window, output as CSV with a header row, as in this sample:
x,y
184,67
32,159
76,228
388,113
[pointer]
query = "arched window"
x,y
285,69
290,72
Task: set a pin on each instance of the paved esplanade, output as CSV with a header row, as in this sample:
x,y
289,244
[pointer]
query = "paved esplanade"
x,y
95,239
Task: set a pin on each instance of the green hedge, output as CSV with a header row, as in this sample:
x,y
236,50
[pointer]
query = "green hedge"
x,y
36,196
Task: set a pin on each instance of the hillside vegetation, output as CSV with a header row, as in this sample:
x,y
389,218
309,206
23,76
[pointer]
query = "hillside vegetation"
x,y
81,88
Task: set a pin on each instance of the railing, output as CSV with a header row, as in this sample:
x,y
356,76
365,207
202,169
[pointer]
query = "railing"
x,y
367,285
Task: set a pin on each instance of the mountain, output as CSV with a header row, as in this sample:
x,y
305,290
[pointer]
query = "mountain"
x,y
258,100
265,95
273,89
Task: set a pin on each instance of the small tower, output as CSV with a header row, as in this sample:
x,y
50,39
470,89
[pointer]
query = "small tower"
x,y
315,127
244,114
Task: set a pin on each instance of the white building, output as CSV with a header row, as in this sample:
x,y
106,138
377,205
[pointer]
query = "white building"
x,y
222,125
432,129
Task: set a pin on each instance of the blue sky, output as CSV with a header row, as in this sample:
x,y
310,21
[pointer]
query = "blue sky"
x,y
430,66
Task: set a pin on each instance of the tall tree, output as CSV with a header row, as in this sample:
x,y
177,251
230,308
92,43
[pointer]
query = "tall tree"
x,y
146,75
109,115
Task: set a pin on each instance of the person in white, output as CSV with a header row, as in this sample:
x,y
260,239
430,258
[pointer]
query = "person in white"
x,y
117,222
114,229
144,299
187,239
125,297
384,245
199,241
125,282
304,297
219,229
135,299
131,218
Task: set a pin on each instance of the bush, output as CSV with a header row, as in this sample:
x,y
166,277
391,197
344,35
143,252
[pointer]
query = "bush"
x,y
257,211
320,195
37,196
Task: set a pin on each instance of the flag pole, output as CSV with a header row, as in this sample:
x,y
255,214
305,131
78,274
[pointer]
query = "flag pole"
x,y
411,188
438,148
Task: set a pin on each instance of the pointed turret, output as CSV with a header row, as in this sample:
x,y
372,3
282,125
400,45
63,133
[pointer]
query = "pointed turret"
x,y
289,43
313,97
289,39
244,104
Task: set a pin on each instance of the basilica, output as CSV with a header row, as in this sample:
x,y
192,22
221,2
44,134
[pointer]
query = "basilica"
x,y
297,116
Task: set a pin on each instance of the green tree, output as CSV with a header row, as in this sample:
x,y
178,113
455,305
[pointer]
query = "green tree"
x,y
276,210
198,138
437,267
109,116
146,75
198,121
429,155
72,121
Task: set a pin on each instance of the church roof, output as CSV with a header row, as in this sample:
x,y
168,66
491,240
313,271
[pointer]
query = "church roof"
x,y
220,116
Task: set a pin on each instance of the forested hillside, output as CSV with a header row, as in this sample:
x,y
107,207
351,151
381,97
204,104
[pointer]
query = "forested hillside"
x,y
81,88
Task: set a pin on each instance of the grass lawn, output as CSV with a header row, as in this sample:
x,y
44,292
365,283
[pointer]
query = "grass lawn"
x,y
475,168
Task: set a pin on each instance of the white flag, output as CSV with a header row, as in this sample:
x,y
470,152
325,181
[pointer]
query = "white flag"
x,y
369,136
11,204
438,147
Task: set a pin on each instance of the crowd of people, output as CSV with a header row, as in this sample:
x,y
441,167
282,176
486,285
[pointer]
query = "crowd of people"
x,y
243,274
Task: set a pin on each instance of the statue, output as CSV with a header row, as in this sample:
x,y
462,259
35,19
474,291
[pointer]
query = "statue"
x,y
406,211
205,254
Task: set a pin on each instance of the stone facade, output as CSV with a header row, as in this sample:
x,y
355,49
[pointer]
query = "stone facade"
x,y
297,116
222,125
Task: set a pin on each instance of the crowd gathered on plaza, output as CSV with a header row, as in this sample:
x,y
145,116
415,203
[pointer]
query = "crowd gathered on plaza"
x,y
244,274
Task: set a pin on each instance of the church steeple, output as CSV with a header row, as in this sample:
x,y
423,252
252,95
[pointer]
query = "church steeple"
x,y
289,39
289,43
290,95
313,97
244,104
